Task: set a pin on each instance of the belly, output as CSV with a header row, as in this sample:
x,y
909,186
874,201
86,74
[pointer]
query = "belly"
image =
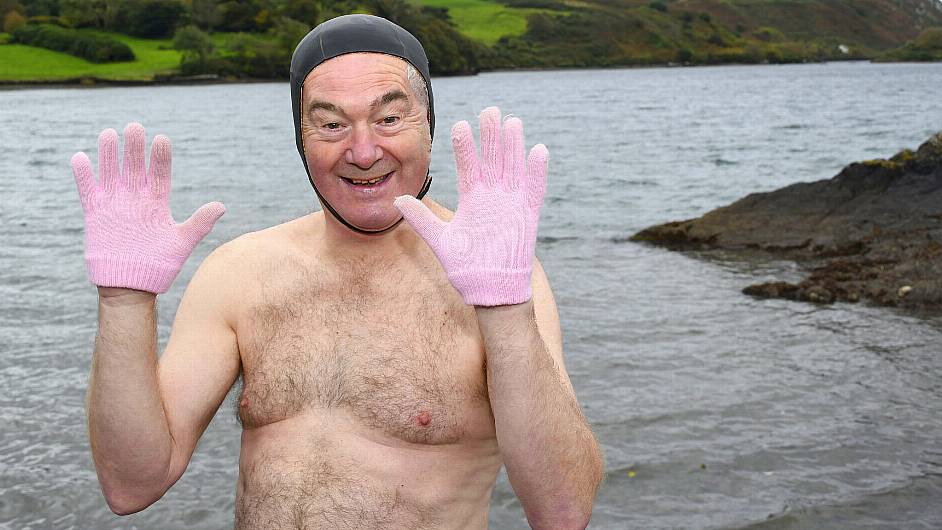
x,y
325,469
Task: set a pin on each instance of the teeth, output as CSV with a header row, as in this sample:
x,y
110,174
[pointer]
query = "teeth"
x,y
373,181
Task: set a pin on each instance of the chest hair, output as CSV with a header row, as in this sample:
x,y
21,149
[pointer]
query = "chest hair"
x,y
395,348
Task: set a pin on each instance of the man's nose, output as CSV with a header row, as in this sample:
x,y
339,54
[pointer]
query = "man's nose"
x,y
364,151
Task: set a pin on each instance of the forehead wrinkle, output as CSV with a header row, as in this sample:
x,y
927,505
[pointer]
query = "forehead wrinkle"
x,y
338,74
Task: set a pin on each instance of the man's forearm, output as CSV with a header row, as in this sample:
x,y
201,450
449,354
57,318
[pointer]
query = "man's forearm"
x,y
551,455
130,439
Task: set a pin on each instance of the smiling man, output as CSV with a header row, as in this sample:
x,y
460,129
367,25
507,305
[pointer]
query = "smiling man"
x,y
389,369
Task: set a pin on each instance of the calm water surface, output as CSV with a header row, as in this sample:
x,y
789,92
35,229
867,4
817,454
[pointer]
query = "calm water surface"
x,y
714,410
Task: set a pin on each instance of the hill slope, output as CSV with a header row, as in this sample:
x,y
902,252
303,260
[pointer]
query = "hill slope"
x,y
465,36
624,32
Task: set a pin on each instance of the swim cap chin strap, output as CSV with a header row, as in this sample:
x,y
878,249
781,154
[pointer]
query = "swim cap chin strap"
x,y
353,34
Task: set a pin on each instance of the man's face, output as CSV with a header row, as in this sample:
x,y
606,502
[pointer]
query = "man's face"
x,y
361,121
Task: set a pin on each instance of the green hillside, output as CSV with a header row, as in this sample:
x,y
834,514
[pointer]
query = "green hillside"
x,y
626,32
154,57
484,20
254,38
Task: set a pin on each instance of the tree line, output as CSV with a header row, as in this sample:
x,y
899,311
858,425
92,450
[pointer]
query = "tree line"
x,y
262,33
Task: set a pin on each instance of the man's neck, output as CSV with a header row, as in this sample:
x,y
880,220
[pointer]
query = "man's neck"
x,y
339,241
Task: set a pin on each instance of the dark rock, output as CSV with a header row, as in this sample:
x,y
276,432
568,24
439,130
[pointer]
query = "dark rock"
x,y
871,230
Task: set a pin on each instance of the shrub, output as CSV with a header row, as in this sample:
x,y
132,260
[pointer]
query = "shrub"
x,y
83,13
94,48
154,18
306,11
717,40
13,21
767,34
929,39
659,6
195,44
48,19
236,16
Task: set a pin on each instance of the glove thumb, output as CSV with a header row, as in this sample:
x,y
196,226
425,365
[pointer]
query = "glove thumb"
x,y
423,221
201,222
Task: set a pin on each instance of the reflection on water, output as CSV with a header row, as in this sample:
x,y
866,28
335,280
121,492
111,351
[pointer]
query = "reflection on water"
x,y
714,410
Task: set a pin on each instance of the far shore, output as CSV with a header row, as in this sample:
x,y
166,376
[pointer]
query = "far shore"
x,y
171,80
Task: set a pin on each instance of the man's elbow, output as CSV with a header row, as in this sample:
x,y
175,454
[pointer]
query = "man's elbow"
x,y
576,519
570,511
123,504
125,499
573,509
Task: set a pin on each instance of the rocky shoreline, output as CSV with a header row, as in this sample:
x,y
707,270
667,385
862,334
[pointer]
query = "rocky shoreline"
x,y
872,233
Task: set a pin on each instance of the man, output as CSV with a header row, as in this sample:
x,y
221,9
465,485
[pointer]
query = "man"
x,y
389,368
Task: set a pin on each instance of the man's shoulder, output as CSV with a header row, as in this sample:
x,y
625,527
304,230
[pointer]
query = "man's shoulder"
x,y
253,249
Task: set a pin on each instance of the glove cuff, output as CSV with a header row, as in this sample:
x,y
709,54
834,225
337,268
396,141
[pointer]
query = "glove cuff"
x,y
492,288
132,272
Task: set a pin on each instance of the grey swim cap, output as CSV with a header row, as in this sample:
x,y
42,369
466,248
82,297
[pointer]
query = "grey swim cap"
x,y
352,34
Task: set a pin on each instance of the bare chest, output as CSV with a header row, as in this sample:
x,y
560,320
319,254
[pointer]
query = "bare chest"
x,y
401,357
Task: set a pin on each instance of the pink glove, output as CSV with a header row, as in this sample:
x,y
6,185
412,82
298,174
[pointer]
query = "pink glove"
x,y
487,248
131,240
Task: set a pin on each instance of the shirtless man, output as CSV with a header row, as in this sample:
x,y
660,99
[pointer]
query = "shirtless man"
x,y
389,368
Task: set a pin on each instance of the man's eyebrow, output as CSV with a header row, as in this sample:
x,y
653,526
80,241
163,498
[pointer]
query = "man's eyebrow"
x,y
385,99
389,97
323,105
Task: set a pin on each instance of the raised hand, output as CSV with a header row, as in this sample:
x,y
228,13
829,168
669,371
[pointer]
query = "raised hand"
x,y
131,240
487,248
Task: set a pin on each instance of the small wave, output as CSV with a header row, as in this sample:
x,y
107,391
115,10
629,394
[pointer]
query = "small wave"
x,y
724,162
791,127
642,182
549,240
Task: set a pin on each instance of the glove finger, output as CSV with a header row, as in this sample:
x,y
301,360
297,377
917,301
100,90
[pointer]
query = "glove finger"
x,y
201,222
135,145
466,157
514,166
84,179
491,155
423,221
536,176
160,166
108,160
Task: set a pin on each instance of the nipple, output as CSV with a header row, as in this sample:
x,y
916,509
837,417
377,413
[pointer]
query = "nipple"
x,y
244,402
423,418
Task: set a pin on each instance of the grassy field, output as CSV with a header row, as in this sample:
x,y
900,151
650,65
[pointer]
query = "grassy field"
x,y
484,20
153,56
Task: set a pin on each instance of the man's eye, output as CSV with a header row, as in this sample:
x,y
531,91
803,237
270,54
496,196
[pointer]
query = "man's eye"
x,y
333,126
389,120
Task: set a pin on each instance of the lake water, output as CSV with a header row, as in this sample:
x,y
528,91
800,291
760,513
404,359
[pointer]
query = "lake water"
x,y
715,410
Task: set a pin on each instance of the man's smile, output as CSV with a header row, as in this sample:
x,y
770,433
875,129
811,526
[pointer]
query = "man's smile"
x,y
370,183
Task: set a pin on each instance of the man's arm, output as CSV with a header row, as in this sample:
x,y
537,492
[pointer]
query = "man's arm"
x,y
144,416
487,251
552,458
